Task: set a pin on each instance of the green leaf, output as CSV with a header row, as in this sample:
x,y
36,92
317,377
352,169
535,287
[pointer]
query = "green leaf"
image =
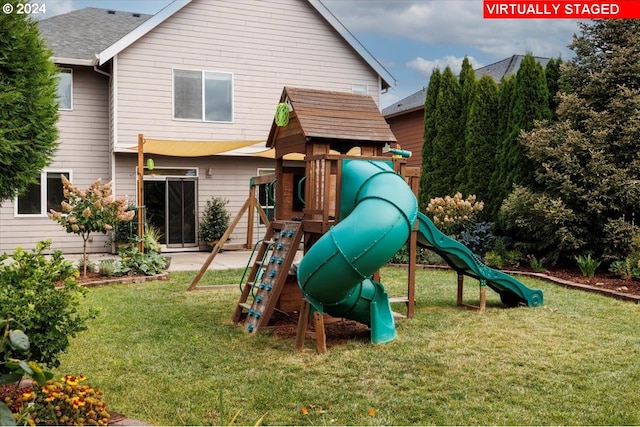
x,y
19,340
10,378
26,368
6,417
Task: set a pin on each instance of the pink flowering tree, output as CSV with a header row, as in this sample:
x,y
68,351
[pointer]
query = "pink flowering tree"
x,y
94,210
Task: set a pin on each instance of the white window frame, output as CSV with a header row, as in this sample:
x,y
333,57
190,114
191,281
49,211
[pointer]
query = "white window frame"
x,y
43,194
204,100
70,72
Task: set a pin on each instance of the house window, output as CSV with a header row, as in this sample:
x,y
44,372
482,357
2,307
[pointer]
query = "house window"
x,y
359,89
42,196
65,89
203,95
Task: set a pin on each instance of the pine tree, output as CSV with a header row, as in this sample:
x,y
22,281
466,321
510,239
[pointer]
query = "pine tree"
x,y
428,137
28,106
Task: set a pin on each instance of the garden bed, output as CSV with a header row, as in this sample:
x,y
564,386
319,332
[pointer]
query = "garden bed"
x,y
93,279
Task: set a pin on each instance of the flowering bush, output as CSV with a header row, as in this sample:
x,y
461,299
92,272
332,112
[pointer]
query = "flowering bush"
x,y
63,402
451,214
93,210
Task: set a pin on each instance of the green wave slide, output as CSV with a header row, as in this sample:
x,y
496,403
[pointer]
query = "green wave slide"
x,y
379,211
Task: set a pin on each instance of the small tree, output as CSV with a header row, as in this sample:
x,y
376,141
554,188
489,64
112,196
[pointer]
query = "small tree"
x,y
215,221
93,210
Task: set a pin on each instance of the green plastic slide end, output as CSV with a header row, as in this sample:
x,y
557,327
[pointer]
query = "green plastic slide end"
x,y
383,326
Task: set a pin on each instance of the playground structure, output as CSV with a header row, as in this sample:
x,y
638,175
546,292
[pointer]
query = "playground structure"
x,y
358,212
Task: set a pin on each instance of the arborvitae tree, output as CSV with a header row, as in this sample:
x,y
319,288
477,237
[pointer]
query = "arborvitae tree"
x,y
428,137
28,105
530,103
440,180
591,155
498,189
481,132
552,74
467,80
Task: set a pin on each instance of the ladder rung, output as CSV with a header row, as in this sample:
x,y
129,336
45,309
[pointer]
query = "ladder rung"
x,y
399,299
244,305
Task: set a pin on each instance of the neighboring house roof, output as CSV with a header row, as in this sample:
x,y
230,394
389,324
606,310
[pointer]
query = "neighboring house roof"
x,y
81,36
501,69
497,71
410,103
77,37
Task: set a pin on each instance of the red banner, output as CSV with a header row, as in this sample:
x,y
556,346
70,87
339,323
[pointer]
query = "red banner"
x,y
517,9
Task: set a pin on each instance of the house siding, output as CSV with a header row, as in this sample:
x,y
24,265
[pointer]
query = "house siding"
x,y
84,150
266,45
409,130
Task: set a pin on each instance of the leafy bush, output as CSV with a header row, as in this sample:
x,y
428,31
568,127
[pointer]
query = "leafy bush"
x,y
452,214
41,294
540,225
479,238
620,239
15,341
626,269
537,265
502,257
131,260
215,220
423,256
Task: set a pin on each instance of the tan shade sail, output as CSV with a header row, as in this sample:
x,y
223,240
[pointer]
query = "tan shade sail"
x,y
166,147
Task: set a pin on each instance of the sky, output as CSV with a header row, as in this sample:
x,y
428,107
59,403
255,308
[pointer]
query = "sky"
x,y
411,38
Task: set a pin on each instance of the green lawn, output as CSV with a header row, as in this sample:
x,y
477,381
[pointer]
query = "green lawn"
x,y
163,355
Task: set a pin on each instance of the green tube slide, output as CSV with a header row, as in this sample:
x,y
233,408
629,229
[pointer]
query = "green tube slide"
x,y
378,211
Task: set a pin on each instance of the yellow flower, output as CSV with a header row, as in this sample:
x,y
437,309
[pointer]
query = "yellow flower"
x,y
371,412
304,411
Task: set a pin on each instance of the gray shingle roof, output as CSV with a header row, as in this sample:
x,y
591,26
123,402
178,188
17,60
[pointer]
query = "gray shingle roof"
x,y
82,34
507,66
409,103
497,71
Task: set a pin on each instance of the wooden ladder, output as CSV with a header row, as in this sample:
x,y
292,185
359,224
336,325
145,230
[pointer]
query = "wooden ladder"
x,y
268,275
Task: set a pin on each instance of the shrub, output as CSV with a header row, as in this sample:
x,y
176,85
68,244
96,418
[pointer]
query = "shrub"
x,y
626,269
502,257
620,239
42,295
452,214
540,225
215,220
131,260
15,342
479,238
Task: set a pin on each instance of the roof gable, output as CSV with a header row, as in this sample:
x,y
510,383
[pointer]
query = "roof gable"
x,y
80,36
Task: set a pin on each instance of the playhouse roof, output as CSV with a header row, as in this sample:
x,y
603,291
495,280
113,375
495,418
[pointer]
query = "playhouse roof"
x,y
329,116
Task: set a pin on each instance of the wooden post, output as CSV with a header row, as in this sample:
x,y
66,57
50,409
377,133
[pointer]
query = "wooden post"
x,y
140,193
460,289
303,322
483,295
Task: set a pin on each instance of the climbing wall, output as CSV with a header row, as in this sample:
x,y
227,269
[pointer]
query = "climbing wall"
x,y
269,272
